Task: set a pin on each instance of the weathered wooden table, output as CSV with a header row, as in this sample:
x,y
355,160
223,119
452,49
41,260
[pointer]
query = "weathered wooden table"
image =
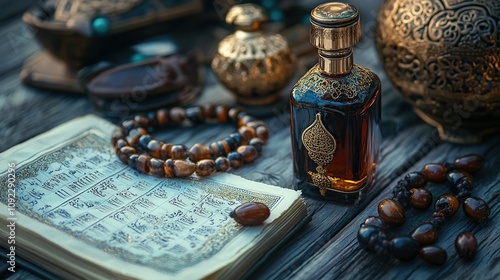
x,y
325,248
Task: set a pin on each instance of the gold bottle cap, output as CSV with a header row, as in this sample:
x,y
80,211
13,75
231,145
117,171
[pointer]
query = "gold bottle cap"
x,y
246,17
334,26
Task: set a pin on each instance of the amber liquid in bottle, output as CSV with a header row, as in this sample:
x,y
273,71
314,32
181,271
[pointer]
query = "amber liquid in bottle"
x,y
348,108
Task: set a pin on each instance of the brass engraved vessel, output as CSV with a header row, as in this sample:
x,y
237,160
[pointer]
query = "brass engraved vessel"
x,y
443,56
251,64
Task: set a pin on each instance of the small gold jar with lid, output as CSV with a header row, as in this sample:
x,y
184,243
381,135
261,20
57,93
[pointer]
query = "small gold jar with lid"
x,y
251,64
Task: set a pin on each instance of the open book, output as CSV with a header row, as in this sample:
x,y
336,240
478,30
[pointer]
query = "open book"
x,y
74,209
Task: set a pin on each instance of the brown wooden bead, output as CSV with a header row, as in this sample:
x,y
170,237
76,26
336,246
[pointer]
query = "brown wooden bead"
x,y
222,164
162,117
153,148
214,150
117,134
221,112
255,123
455,176
257,143
198,152
141,120
404,248
177,115
245,120
183,168
469,163
178,152
233,113
225,147
125,152
391,212
477,209
119,144
209,111
247,133
250,214
433,255
235,159
143,163
248,153
435,172
165,150
466,245
134,135
262,133
425,234
156,167
168,168
420,198
447,204
415,180
205,167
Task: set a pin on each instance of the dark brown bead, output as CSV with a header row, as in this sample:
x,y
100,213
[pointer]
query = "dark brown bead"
x,y
168,168
165,150
128,125
477,209
364,235
246,119
404,248
134,135
420,198
435,172
469,163
262,133
162,117
119,144
455,176
144,141
132,160
233,113
209,111
178,152
433,255
257,143
153,122
415,180
117,134
237,138
205,167
425,234
183,168
141,120
156,167
221,112
250,214
195,115
248,153
391,212
177,115
255,123
247,133
447,204
214,150
222,164
374,222
125,152
466,245
143,163
224,146
235,159
198,152
153,148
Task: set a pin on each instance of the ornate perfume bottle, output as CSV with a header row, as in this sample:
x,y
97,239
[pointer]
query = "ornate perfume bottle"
x,y
335,112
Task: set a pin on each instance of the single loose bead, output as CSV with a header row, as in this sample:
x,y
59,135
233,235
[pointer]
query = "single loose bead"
x,y
125,152
391,212
195,115
144,141
234,159
433,255
134,135
262,133
117,134
435,172
141,120
404,248
168,168
250,214
466,245
257,144
425,234
162,117
119,144
221,112
447,204
469,163
477,209
198,152
420,198
183,168
415,180
248,153
142,163
247,133
153,148
177,115
205,167
373,221
165,150
178,152
365,232
222,164
156,167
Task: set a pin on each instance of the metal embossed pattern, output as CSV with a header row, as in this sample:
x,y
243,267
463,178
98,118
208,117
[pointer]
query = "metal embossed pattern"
x,y
67,9
320,145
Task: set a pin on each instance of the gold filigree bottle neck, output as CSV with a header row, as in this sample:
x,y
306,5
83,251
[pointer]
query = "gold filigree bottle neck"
x,y
335,29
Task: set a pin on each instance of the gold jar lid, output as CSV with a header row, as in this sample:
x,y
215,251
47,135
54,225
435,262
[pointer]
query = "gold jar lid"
x,y
246,17
334,26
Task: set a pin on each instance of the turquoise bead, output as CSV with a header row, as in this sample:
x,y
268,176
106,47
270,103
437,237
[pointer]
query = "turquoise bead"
x,y
101,26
